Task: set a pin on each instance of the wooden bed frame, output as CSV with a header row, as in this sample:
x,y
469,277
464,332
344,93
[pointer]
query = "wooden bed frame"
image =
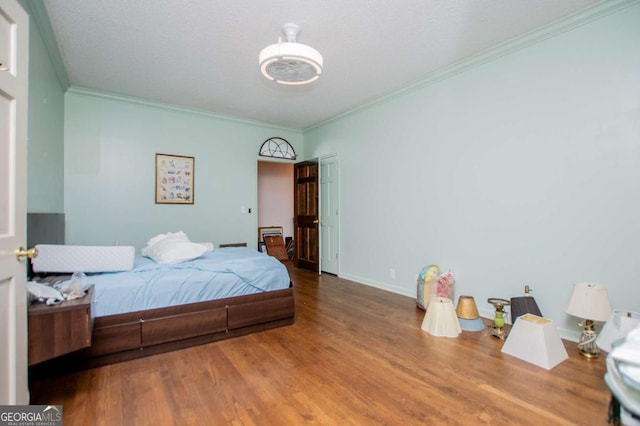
x,y
137,334
127,336
132,335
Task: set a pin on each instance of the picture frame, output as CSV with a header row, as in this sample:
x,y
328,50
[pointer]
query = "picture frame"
x,y
268,230
175,178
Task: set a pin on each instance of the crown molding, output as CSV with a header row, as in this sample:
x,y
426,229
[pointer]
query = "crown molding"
x,y
170,107
568,23
37,11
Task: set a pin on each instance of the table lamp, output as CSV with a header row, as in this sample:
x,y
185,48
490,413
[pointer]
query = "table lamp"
x,y
524,305
499,320
590,302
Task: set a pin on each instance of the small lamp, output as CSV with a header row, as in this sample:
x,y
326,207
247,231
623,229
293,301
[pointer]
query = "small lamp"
x,y
498,320
524,305
590,302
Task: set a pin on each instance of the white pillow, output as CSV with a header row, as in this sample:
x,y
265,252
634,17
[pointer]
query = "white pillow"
x,y
175,235
172,248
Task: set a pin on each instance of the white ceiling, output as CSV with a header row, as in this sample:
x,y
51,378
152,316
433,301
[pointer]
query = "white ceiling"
x,y
203,54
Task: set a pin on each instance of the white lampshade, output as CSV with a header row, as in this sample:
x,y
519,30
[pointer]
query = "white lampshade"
x,y
468,315
535,339
441,318
589,301
619,324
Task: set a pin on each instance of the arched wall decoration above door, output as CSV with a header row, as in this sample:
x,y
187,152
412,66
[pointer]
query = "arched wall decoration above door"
x,y
277,148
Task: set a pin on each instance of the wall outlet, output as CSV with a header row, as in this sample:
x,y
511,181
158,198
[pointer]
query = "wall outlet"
x,y
392,273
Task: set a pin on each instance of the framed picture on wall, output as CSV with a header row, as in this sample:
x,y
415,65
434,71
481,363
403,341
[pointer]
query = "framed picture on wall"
x,y
174,179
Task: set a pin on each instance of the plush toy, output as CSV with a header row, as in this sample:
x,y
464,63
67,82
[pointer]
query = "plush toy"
x,y
445,284
425,279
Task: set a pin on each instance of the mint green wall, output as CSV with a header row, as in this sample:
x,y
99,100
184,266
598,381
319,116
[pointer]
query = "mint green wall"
x,y
522,169
110,147
45,173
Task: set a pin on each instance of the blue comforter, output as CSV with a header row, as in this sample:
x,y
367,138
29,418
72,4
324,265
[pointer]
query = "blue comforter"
x,y
226,272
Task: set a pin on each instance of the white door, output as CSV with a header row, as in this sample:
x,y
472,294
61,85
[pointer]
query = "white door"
x,y
329,214
14,53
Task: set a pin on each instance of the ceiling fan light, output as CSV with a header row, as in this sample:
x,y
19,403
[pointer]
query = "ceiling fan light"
x,y
290,62
298,83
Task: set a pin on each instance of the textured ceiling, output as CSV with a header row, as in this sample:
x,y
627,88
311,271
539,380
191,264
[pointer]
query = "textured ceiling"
x,y
203,54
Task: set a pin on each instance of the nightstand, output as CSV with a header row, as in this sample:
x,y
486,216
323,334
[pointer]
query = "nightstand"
x,y
59,329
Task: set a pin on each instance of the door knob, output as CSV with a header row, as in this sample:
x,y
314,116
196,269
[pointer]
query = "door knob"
x,y
317,221
21,253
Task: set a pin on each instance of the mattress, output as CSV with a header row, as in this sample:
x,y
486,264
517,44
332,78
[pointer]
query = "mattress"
x,y
222,273
68,258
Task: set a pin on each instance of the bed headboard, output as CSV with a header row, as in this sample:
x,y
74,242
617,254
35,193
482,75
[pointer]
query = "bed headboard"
x,y
44,228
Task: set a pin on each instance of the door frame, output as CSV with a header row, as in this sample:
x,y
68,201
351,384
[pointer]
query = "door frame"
x,y
260,202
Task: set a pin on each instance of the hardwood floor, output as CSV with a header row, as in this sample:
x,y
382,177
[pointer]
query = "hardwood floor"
x,y
355,356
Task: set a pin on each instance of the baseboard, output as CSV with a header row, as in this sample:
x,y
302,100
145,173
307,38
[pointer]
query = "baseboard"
x,y
570,335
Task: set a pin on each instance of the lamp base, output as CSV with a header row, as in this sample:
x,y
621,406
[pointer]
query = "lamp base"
x,y
500,333
589,355
498,321
587,345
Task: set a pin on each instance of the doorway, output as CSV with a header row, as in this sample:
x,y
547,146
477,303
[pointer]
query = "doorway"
x,y
317,248
275,197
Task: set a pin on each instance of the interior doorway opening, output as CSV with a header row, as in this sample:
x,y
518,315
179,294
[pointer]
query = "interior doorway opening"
x,y
275,198
318,247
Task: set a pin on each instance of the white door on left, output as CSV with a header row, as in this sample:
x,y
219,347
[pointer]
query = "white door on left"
x,y
14,54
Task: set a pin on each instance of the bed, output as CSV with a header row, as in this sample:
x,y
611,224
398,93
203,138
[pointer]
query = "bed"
x,y
155,308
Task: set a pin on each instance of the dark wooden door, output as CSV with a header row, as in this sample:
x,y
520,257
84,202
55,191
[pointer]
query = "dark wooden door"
x,y
305,218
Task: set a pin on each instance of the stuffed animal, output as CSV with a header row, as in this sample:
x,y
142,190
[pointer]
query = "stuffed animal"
x,y
424,282
446,282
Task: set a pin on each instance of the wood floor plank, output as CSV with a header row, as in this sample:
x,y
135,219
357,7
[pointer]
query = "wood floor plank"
x,y
355,355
